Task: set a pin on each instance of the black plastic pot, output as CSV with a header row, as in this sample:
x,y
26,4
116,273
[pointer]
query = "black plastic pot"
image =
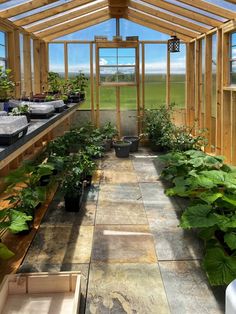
x,y
135,142
122,148
73,202
44,180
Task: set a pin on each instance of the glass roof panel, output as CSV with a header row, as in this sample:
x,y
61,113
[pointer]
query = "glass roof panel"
x,y
223,4
107,28
191,8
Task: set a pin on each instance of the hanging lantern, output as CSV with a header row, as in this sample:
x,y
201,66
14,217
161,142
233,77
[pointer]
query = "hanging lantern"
x,y
174,44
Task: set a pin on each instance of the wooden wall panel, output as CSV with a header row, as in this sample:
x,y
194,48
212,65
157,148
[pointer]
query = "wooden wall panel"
x,y
36,51
43,66
190,82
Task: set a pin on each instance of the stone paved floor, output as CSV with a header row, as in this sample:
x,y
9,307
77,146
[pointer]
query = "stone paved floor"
x,y
126,242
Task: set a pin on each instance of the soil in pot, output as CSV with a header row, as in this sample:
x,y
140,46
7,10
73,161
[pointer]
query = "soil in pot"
x,y
122,148
73,202
44,180
135,142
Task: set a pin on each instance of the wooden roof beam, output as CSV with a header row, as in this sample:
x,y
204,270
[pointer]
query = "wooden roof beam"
x,y
24,7
50,12
118,9
161,23
185,12
73,23
155,27
168,17
210,8
66,17
78,27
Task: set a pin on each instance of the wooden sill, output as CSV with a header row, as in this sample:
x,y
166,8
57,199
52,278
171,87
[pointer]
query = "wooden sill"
x,y
230,88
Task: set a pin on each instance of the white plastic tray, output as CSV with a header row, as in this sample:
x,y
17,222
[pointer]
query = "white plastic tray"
x,y
40,293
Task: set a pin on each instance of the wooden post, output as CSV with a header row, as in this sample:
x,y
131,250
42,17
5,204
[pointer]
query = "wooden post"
x,y
138,90
219,93
190,83
66,60
208,88
143,77
167,77
97,87
198,86
27,65
118,117
44,66
36,51
92,84
14,59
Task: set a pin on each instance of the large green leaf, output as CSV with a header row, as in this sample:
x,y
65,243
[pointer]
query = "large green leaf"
x,y
18,221
207,233
5,253
216,176
198,216
220,268
200,181
230,198
230,240
210,197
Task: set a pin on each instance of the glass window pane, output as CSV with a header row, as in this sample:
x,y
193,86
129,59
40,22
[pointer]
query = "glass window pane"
x,y
108,74
128,97
128,60
126,74
233,72
107,98
108,52
2,51
3,64
56,59
2,38
155,75
107,60
213,68
177,77
233,39
126,52
203,76
233,52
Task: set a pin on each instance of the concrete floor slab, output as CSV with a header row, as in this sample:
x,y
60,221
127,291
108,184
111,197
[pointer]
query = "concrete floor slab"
x,y
61,245
187,289
126,213
118,193
123,244
126,288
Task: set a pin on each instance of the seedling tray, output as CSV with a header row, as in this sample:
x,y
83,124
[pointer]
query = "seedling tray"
x,y
12,128
41,111
40,293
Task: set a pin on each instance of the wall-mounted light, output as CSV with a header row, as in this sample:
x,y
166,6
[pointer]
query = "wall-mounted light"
x,y
174,44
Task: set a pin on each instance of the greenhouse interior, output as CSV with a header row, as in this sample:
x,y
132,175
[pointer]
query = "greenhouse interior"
x,y
118,132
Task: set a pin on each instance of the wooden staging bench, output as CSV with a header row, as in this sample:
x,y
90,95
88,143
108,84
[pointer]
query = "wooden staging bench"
x,y
39,133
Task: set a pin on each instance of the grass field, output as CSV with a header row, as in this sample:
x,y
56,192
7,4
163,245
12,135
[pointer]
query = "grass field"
x,y
155,93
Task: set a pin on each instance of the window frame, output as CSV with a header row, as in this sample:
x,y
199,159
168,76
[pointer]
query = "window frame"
x,y
118,66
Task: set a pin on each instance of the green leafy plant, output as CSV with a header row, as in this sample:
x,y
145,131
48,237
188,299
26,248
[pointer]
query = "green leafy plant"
x,y
79,83
210,185
108,131
50,97
13,220
5,253
20,110
6,84
54,82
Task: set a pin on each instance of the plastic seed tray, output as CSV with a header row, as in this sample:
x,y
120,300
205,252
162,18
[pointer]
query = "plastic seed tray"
x,y
41,111
40,293
3,113
12,128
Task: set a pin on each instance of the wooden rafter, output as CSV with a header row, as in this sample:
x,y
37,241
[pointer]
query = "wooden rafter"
x,y
78,27
50,12
210,8
24,7
185,12
161,23
156,27
67,16
73,23
168,17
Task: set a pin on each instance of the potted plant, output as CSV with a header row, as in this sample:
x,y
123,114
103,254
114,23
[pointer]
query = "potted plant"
x,y
134,142
73,189
6,87
79,84
122,148
108,132
49,98
22,109
54,83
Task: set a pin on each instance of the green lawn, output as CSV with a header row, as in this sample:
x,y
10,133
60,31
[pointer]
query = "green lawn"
x,y
155,94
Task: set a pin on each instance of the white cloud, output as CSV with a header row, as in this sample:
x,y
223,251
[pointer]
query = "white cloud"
x,y
103,61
